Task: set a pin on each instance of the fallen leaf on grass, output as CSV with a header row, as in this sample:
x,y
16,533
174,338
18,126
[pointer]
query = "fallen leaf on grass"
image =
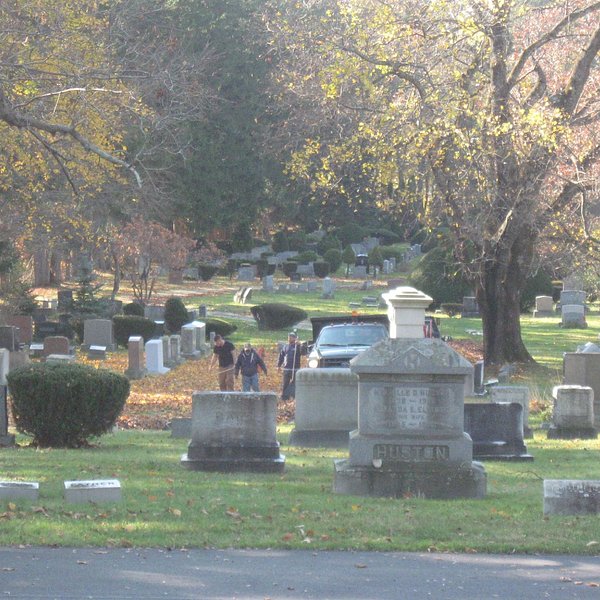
x,y
233,513
12,506
175,511
288,537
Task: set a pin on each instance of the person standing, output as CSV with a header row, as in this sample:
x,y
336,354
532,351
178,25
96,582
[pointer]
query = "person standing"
x,y
248,362
223,351
289,360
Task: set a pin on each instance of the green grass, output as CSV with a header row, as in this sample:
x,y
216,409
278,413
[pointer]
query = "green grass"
x,y
165,505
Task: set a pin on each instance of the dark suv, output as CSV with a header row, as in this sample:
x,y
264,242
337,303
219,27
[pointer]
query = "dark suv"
x,y
340,339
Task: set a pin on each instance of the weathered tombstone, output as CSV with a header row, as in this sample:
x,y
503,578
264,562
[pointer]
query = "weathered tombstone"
x,y
386,269
24,323
583,368
36,349
573,281
496,430
268,283
60,358
544,307
9,338
478,378
202,311
98,332
359,271
306,270
234,431
188,342
572,297
65,300
135,354
328,288
470,308
237,297
514,393
246,296
94,490
571,497
200,336
326,407
6,439
573,316
154,312
181,427
410,438
56,344
29,490
96,352
166,351
154,358
572,413
246,273
175,350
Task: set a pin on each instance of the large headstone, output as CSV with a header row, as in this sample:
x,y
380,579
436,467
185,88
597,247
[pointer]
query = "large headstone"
x,y
573,316
496,430
246,273
572,297
326,407
56,344
175,349
64,300
410,438
24,324
200,336
514,393
234,431
470,307
544,307
188,342
98,332
9,338
154,358
571,497
268,284
583,368
136,368
573,413
166,351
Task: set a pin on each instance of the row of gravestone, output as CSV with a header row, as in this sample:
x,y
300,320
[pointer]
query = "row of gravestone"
x,y
75,491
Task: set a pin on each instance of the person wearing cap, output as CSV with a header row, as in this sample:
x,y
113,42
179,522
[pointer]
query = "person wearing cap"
x,y
248,362
289,361
223,351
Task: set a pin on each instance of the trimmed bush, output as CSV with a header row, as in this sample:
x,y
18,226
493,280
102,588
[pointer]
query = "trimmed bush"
x,y
289,267
264,268
124,326
334,258
63,405
275,315
307,256
321,268
176,314
451,308
133,308
207,272
219,326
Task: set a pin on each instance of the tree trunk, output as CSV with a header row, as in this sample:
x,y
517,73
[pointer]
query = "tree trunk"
x,y
498,293
41,267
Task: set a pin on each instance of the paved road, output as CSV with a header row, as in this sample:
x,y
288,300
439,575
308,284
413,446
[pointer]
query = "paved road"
x,y
127,574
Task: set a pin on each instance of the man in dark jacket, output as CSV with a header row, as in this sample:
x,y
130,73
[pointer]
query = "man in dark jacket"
x,y
289,360
248,362
223,351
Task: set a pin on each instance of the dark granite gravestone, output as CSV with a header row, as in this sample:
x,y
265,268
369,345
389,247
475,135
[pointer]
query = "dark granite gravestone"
x,y
9,338
496,429
234,431
49,328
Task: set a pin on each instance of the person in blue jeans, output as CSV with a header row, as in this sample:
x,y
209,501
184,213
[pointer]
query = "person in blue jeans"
x,y
248,362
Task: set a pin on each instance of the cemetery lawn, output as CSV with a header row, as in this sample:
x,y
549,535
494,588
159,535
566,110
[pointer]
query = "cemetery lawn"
x,y
165,505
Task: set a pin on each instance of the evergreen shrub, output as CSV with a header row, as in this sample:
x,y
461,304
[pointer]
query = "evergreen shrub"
x,y
307,256
176,314
276,315
289,267
63,405
219,326
207,272
133,308
321,268
334,258
124,326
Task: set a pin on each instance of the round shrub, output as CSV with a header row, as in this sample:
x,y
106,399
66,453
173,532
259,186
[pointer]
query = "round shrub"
x,y
307,256
63,405
334,258
207,272
289,267
133,308
124,326
176,314
264,268
321,268
275,315
219,326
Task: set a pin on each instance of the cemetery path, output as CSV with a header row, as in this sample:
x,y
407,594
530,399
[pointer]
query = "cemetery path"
x,y
148,574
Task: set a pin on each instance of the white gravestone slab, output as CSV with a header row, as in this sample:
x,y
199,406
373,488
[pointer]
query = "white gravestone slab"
x,y
4,364
573,315
154,358
544,307
571,497
93,490
29,490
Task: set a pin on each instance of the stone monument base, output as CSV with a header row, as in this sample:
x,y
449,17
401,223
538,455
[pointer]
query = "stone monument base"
x,y
226,459
411,480
319,438
572,433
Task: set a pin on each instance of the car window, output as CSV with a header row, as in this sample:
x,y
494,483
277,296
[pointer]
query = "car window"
x,y
357,335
